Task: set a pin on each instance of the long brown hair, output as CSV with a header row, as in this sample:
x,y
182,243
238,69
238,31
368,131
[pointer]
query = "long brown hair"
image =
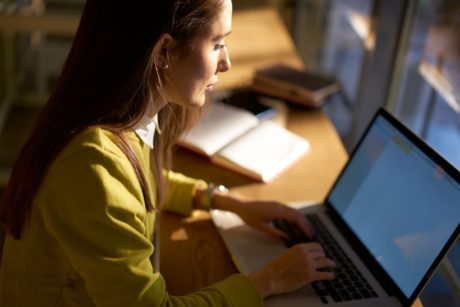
x,y
108,80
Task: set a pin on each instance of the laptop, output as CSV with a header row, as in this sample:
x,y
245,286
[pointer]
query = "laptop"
x,y
394,212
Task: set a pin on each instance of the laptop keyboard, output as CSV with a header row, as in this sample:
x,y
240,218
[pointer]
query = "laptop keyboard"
x,y
349,284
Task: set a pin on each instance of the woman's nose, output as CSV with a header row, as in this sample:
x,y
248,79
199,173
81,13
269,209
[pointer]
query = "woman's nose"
x,y
224,64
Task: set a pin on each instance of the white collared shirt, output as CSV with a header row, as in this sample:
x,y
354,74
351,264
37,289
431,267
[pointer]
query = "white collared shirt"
x,y
146,129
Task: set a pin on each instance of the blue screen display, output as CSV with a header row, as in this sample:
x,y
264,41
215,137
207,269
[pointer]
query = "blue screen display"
x,y
400,204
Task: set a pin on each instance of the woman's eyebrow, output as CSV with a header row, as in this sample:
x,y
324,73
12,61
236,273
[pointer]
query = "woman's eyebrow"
x,y
223,35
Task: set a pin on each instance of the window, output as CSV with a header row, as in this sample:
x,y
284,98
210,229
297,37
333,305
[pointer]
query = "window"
x,y
404,55
425,95
426,91
355,41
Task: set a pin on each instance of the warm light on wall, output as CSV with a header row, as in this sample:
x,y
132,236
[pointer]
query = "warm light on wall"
x,y
361,24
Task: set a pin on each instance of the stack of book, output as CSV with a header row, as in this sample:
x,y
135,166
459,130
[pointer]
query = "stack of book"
x,y
298,86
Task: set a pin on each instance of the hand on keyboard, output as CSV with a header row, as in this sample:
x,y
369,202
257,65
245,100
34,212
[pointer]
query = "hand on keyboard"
x,y
293,269
294,234
348,284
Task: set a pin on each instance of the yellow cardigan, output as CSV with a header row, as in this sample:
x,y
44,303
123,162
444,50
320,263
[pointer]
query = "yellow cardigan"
x,y
88,241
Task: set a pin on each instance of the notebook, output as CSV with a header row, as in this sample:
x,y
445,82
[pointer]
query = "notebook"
x,y
394,210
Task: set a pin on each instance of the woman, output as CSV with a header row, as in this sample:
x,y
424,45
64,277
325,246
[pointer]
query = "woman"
x,y
81,203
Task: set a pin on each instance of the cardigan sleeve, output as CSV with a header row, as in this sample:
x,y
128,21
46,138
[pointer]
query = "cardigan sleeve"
x,y
181,190
92,204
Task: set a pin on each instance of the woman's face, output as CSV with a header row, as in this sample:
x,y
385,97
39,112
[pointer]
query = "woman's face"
x,y
194,74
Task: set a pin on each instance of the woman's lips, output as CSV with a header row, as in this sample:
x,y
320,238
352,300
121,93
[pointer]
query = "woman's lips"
x,y
210,87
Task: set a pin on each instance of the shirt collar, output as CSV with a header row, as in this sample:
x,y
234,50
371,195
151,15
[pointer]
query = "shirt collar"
x,y
146,129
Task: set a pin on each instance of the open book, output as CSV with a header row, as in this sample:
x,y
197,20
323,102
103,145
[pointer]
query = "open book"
x,y
236,139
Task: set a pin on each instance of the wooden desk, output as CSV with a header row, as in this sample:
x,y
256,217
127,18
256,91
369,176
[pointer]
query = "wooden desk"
x,y
192,255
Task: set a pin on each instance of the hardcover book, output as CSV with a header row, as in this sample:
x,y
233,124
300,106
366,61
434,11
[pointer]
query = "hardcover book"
x,y
236,139
297,86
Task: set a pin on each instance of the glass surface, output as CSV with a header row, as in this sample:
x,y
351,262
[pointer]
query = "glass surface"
x,y
35,38
347,37
343,56
332,37
35,49
426,73
429,98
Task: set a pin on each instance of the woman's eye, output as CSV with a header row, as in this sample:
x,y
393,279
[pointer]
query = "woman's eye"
x,y
220,46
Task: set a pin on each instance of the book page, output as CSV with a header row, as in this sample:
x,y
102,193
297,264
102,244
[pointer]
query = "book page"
x,y
219,124
263,152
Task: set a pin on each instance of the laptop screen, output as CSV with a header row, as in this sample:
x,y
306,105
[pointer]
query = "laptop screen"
x,y
402,205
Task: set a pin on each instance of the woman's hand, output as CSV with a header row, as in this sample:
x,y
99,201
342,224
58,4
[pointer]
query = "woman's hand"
x,y
296,267
293,269
259,214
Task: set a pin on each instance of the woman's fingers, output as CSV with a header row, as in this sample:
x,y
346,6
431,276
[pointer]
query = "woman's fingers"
x,y
320,273
299,265
323,262
297,218
302,222
274,232
323,275
313,249
316,261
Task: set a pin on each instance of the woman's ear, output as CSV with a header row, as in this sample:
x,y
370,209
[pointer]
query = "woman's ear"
x,y
162,49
